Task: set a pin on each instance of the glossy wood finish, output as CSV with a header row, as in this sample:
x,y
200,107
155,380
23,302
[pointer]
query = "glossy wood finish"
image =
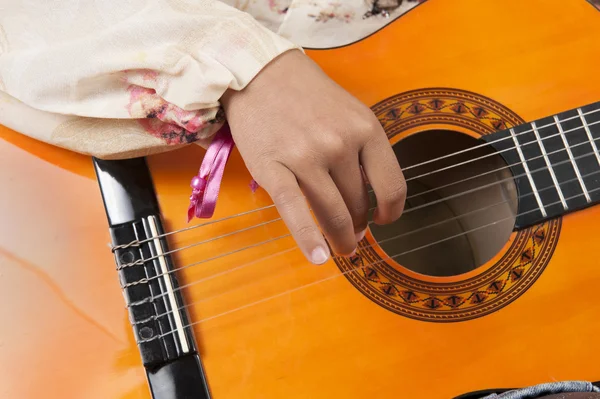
x,y
64,331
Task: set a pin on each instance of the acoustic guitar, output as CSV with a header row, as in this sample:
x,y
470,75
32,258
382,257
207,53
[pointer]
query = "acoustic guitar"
x,y
489,281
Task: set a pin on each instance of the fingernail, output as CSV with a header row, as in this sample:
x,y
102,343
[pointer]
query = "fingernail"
x,y
361,235
319,256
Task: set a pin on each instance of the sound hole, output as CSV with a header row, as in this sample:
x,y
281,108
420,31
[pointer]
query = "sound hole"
x,y
456,219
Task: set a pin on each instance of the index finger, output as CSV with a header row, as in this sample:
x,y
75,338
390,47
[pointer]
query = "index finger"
x,y
282,186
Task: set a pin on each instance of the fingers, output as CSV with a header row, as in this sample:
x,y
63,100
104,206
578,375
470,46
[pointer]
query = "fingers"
x,y
385,176
330,210
283,188
349,179
327,204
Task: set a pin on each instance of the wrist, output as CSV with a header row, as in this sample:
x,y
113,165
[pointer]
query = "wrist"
x,y
265,81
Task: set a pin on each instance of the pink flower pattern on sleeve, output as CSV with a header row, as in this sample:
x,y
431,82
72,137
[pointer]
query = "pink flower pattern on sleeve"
x,y
165,120
122,107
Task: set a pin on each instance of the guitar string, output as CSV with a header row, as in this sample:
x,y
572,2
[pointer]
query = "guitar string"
x,y
581,117
534,141
340,257
245,265
141,261
503,167
337,257
148,279
407,211
355,269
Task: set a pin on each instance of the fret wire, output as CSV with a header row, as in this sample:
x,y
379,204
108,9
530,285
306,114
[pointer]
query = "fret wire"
x,y
589,134
486,144
550,168
528,174
575,167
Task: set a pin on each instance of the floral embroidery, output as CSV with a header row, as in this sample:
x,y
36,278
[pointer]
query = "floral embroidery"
x,y
334,11
385,7
139,121
165,120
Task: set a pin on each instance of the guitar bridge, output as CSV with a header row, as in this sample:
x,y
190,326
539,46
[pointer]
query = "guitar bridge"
x,y
157,310
151,290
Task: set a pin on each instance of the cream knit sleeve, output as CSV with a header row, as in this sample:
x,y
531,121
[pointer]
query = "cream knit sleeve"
x,y
125,78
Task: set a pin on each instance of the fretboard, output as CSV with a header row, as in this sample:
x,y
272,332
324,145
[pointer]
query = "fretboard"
x,y
555,162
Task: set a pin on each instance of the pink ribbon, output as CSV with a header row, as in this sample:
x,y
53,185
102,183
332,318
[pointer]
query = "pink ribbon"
x,y
206,185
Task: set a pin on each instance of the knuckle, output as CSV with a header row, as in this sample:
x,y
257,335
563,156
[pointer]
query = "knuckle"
x,y
304,231
297,156
393,196
261,168
283,196
335,148
335,144
338,222
367,124
359,208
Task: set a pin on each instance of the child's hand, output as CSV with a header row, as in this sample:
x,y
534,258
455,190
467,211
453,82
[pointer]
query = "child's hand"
x,y
299,132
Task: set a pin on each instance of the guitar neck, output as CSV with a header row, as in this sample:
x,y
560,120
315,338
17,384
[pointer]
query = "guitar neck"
x,y
555,161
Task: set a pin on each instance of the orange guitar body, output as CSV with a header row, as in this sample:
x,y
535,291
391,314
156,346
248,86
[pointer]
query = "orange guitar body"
x,y
64,329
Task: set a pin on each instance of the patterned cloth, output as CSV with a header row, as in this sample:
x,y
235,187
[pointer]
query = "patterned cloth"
x,y
119,79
